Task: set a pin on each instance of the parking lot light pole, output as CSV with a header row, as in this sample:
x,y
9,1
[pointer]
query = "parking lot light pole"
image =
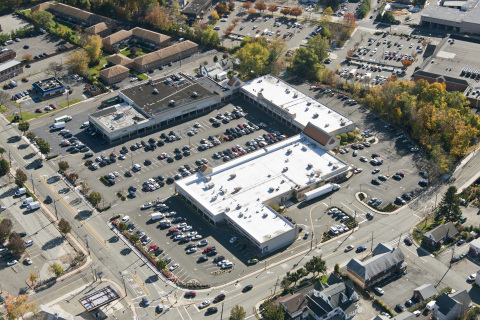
x,y
360,188
31,178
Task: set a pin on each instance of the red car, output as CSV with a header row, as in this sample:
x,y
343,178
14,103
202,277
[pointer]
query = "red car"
x,y
25,79
113,155
173,230
190,294
53,106
401,174
209,249
153,247
66,143
128,174
220,297
226,138
39,111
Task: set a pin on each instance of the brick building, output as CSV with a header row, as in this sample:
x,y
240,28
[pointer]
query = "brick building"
x,y
137,36
114,74
164,56
10,69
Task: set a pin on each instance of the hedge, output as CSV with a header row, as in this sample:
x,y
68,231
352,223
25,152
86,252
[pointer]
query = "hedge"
x,y
52,156
115,217
384,307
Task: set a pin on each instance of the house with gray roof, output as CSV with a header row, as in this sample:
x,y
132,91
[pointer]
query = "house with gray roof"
x,y
335,299
449,307
294,305
405,316
436,237
385,262
425,292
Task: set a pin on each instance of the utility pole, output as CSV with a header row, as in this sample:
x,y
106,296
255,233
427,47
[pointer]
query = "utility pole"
x,y
371,248
399,238
55,205
10,157
86,241
453,252
354,220
31,179
221,315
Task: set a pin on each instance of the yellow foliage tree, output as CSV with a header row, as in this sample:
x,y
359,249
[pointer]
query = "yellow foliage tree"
x,y
214,15
78,61
93,48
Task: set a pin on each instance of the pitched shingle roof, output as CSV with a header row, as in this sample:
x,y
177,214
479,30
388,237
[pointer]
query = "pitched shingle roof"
x,y
293,303
377,264
426,291
97,28
112,71
80,14
150,35
446,302
165,52
116,37
441,231
119,59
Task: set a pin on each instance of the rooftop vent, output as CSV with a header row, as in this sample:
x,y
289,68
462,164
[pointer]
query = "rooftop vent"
x,y
194,94
233,175
309,165
239,206
271,189
285,169
315,115
171,102
155,91
295,95
213,198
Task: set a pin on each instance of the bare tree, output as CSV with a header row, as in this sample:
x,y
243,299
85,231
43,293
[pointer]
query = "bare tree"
x,y
4,96
54,68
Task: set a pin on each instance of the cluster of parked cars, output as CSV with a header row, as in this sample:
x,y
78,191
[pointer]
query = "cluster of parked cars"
x,y
240,130
72,143
337,229
21,95
225,118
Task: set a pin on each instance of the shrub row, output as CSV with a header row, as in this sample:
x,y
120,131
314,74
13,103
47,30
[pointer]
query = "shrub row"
x,y
383,306
52,156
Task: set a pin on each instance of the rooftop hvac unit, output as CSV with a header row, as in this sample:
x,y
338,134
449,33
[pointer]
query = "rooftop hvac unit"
x,y
327,124
213,198
295,95
309,165
171,102
271,189
194,94
309,103
210,185
155,91
265,215
227,209
285,169
233,175
287,91
236,189
240,215
307,108
342,123
315,115
239,206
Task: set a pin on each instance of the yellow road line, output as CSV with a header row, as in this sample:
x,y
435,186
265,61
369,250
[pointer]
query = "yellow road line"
x,y
140,283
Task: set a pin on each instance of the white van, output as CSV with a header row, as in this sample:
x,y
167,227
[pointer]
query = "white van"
x,y
27,201
431,305
20,192
137,167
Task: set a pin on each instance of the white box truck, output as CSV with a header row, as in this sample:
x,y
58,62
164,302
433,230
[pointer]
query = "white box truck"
x,y
58,126
321,191
33,206
157,216
20,192
27,201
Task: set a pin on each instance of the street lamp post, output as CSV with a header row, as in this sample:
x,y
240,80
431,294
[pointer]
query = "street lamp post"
x,y
55,205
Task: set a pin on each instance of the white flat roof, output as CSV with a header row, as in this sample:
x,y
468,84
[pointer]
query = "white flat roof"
x,y
301,107
259,176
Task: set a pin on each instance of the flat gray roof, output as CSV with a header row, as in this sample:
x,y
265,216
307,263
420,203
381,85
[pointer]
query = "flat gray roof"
x,y
118,117
469,12
99,298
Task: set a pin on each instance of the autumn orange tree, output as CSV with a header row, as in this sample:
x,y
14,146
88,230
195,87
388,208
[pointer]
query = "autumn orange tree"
x,y
247,5
18,306
406,62
260,6
296,12
273,8
221,8
285,11
251,11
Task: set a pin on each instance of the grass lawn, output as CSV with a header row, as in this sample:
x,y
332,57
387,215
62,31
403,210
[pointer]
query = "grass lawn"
x,y
3,109
25,116
101,63
73,101
324,278
142,76
66,28
140,52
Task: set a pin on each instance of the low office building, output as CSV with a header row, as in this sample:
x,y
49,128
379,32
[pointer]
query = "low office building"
x,y
164,56
114,74
297,110
7,54
159,103
10,69
425,292
49,87
385,262
240,191
197,9
136,36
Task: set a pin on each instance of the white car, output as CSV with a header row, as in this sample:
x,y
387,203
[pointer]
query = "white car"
x,y
12,263
174,267
116,174
417,313
358,170
472,277
171,214
125,219
379,290
193,233
3,208
222,262
191,250
204,304
29,243
197,237
28,261
187,228
146,206
233,239
197,125
121,157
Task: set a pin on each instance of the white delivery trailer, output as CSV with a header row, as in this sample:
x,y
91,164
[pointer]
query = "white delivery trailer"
x,y
352,72
33,206
157,216
58,126
27,201
321,191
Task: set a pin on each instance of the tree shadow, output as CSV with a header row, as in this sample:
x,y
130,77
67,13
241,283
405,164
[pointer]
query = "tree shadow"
x,y
13,139
23,147
125,251
52,243
152,279
113,239
53,179
29,156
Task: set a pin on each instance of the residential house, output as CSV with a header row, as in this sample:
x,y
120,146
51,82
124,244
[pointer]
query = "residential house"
x,y
120,59
425,292
197,9
10,69
335,299
385,262
114,74
164,56
294,305
137,36
436,237
74,15
449,307
217,70
101,29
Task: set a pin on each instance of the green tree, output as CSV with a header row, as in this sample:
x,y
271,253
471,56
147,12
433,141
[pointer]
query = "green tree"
x,y
56,269
5,229
16,245
63,165
316,266
319,45
44,147
4,167
20,178
272,311
23,126
325,32
294,277
64,227
42,19
95,198
253,57
336,269
305,63
122,226
161,264
449,207
237,313
285,284
134,238
77,61
30,135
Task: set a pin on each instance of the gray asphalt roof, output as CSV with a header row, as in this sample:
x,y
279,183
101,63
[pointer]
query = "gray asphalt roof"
x,y
427,290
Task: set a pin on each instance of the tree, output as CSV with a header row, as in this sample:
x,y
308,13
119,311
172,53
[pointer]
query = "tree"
x,y
325,32
64,227
260,6
336,269
4,167
30,135
305,63
316,266
2,151
161,264
349,20
42,19
63,165
4,97
16,245
95,198
122,226
273,8
78,61
247,5
251,11
84,187
56,269
285,284
221,8
44,147
237,313
293,277
134,238
34,276
27,57
253,57
231,6
159,17
328,11
285,11
296,12
319,45
449,207
235,21
23,126
406,62
55,68
17,307
93,48
272,311
214,15
20,178
5,229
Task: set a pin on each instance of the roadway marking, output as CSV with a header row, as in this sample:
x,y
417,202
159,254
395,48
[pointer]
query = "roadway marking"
x,y
180,314
140,283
